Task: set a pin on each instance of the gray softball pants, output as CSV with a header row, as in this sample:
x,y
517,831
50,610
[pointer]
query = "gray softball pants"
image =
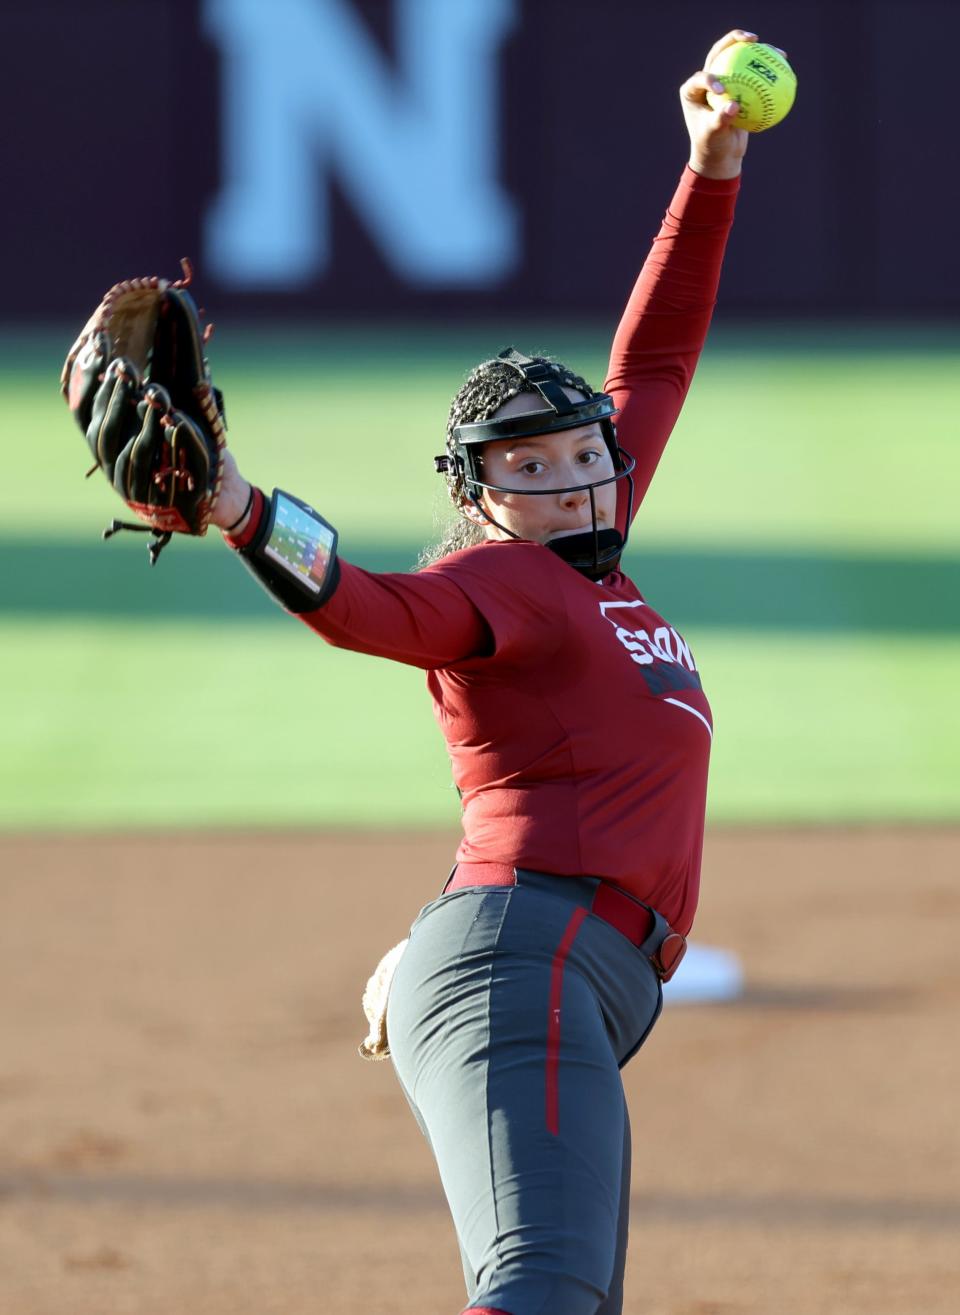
x,y
510,1015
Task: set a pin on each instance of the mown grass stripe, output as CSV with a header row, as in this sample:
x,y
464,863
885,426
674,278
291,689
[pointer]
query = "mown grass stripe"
x,y
760,590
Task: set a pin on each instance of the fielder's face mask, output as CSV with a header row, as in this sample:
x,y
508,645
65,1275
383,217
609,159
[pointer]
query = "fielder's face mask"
x,y
595,552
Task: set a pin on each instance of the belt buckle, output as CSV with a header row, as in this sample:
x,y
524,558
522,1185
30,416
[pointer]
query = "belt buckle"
x,y
666,959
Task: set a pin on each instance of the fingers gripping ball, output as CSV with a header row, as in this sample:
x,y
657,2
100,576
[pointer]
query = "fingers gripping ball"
x,y
139,386
759,79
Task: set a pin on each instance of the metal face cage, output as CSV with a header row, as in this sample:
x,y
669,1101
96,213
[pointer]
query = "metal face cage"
x,y
593,553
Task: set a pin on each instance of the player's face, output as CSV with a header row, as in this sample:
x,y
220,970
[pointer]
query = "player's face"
x,y
543,462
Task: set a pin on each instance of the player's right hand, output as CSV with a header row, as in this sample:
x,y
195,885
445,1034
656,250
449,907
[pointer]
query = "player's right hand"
x,y
717,147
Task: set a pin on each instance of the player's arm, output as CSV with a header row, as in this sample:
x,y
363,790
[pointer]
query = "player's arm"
x,y
422,619
663,329
425,620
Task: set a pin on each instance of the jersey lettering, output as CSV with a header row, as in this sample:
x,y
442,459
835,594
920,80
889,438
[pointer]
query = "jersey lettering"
x,y
674,647
632,640
665,656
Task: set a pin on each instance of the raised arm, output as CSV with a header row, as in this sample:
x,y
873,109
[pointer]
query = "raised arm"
x,y
662,332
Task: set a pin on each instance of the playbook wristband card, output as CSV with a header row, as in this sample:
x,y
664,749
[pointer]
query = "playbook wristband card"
x,y
295,549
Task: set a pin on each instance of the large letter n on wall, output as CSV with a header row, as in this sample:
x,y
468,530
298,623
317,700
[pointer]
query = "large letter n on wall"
x,y
307,92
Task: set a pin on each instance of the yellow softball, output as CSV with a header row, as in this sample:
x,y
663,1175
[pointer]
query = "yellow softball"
x,y
759,79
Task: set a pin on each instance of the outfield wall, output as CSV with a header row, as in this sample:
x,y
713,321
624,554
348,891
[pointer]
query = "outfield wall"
x,y
439,157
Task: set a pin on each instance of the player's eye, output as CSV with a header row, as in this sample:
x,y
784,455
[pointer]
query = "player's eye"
x,y
532,467
588,457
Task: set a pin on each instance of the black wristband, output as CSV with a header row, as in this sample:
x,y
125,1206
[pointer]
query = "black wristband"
x,y
293,554
232,527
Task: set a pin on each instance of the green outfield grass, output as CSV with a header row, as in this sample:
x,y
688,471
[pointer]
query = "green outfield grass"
x,y
810,470
194,725
836,438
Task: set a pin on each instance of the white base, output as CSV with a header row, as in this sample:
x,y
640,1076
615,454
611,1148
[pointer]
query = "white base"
x,y
706,975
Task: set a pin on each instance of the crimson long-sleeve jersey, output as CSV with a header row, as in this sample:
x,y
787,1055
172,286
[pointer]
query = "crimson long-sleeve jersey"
x,y
573,713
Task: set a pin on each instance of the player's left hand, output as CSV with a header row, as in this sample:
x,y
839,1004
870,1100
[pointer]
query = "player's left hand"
x,y
234,499
717,147
138,384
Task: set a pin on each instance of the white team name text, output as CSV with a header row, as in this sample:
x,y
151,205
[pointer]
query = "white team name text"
x,y
664,645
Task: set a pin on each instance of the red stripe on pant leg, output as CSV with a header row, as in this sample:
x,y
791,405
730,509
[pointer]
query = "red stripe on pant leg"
x,y
553,1020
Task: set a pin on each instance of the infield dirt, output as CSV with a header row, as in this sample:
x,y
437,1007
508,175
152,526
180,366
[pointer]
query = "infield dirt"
x,y
185,1125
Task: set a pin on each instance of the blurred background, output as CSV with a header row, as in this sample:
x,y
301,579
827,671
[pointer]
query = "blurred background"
x,y
378,193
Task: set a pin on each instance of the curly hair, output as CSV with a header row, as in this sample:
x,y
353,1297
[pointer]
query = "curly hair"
x,y
487,387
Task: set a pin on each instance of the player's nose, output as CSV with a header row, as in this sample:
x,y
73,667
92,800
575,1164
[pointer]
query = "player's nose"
x,y
572,501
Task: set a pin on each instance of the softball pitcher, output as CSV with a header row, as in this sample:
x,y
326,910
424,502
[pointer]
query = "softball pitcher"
x,y
577,726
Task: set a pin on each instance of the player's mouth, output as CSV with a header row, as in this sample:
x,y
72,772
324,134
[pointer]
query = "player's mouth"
x,y
577,529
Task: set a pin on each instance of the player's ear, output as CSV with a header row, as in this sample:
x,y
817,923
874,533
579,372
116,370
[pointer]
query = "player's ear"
x,y
470,512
